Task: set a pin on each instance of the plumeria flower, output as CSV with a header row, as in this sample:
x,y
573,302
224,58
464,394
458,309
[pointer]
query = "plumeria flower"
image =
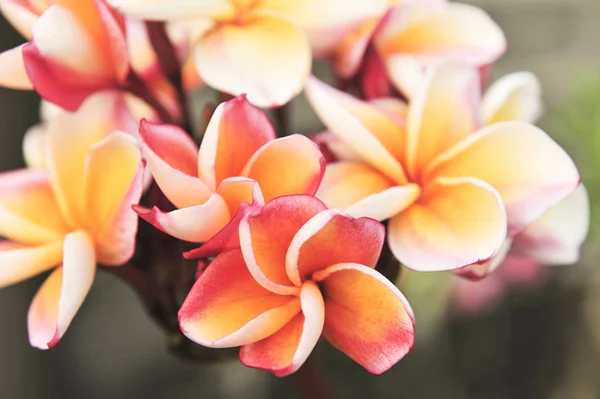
x,y
70,215
77,47
262,48
416,35
240,160
452,190
553,239
302,271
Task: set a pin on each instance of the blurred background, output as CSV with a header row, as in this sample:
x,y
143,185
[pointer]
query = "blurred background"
x,y
539,339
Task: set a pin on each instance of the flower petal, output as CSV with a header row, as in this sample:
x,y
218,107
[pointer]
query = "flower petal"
x,y
226,239
367,130
327,22
451,32
111,194
20,15
285,352
238,58
266,234
70,137
333,237
12,70
457,222
555,238
197,223
61,295
34,146
335,149
19,262
66,65
478,271
28,210
227,307
172,157
362,191
445,110
515,97
110,169
286,166
162,10
366,316
236,190
406,73
530,171
236,130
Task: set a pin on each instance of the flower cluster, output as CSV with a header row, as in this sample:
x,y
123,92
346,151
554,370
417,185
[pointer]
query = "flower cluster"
x,y
300,237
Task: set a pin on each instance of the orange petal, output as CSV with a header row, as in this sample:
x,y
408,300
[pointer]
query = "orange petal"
x,y
286,166
366,316
197,223
19,262
70,137
457,222
266,234
110,169
446,32
12,70
349,52
363,191
236,130
172,157
333,237
530,171
327,23
445,110
28,210
236,190
515,97
378,139
238,58
115,245
555,238
61,295
285,352
226,307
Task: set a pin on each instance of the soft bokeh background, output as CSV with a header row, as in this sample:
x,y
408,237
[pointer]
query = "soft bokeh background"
x,y
543,342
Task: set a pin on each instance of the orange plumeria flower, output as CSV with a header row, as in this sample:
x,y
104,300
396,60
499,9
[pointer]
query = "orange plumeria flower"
x,y
302,271
262,48
239,160
451,189
72,214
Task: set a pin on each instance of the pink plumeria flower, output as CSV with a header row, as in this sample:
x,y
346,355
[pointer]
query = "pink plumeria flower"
x,y
262,48
416,35
70,215
239,161
302,271
77,47
452,190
